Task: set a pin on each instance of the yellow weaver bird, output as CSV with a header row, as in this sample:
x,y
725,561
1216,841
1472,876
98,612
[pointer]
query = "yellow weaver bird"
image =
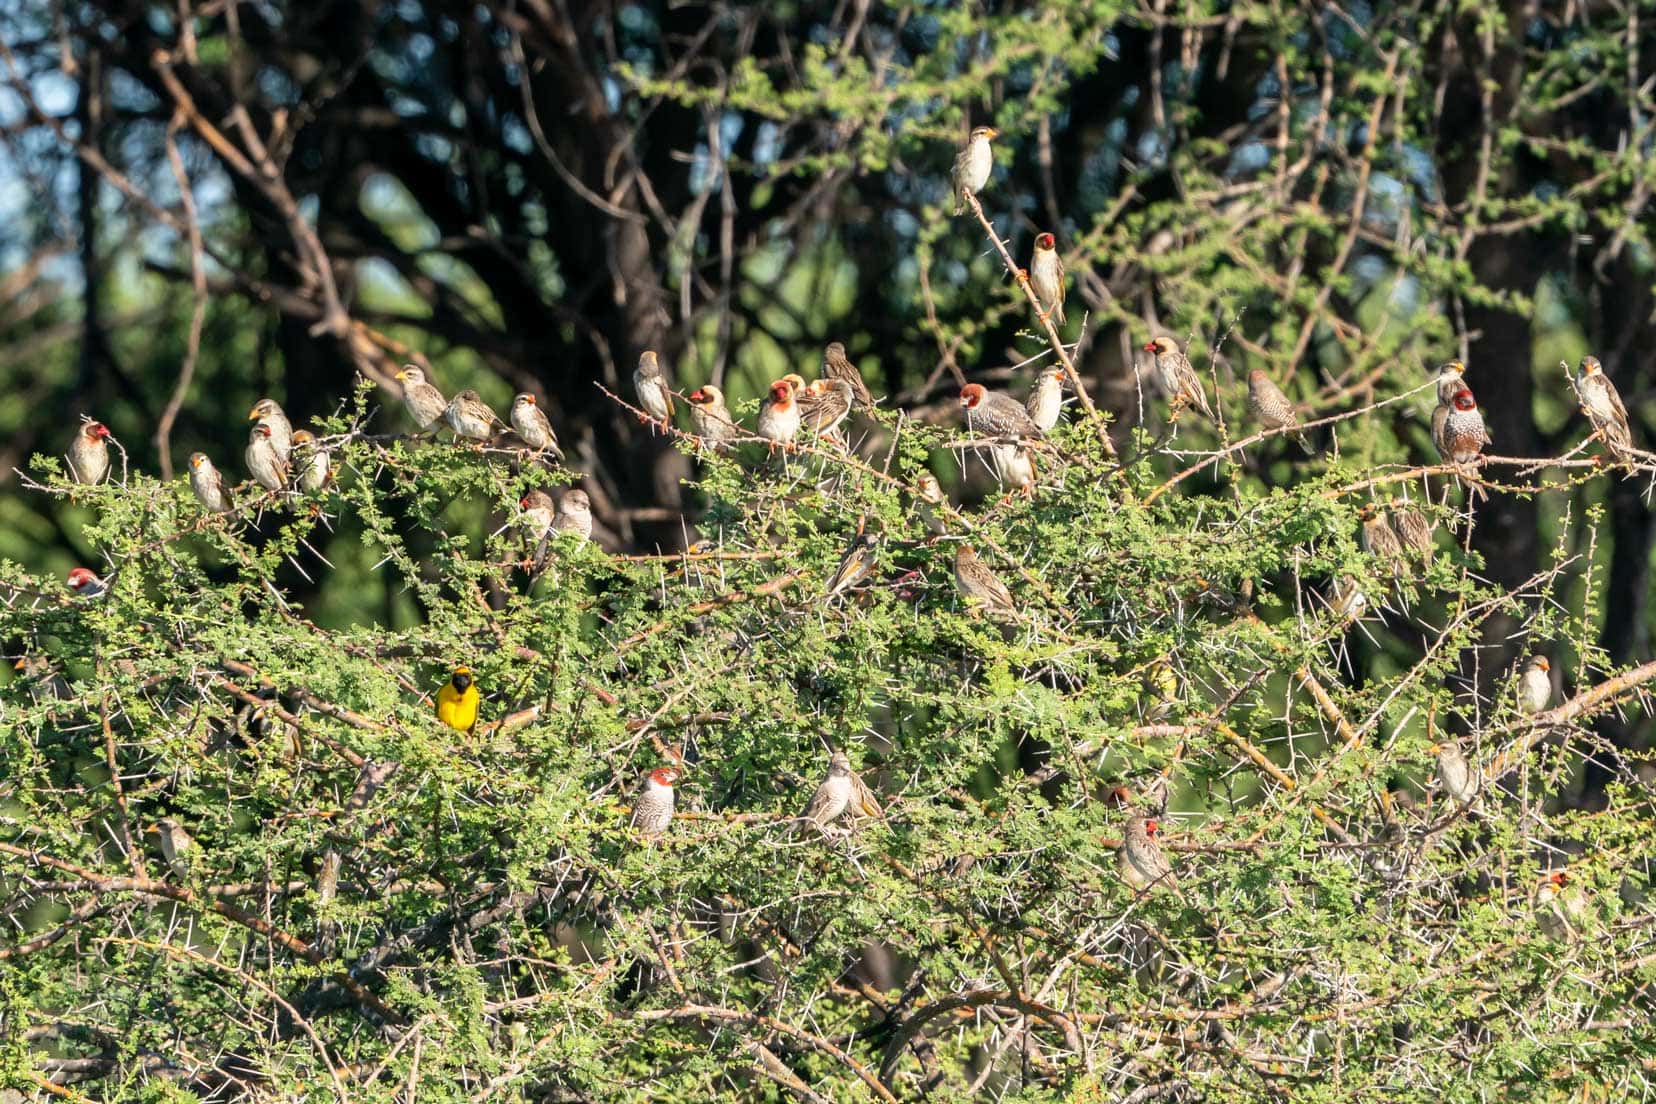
x,y
457,701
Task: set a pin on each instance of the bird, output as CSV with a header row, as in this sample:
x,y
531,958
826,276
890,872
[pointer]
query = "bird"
x,y
44,683
928,496
996,415
654,396
1449,381
424,402
833,797
281,430
710,418
1014,468
1454,774
530,423
653,811
574,515
779,415
1178,379
88,454
1458,429
1347,599
1603,406
85,583
312,467
264,462
470,417
457,700
978,584
1163,690
176,845
1535,685
1378,538
1272,409
1412,526
1139,858
972,165
1046,277
536,519
856,565
824,405
208,485
837,366
1560,907
1046,399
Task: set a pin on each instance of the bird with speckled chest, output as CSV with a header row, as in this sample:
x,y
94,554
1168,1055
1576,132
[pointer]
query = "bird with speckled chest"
x,y
457,701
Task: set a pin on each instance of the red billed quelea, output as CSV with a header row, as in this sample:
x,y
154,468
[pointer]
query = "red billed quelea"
x,y
1139,859
653,811
778,420
837,366
1046,277
89,453
710,417
1178,379
1271,408
654,396
993,414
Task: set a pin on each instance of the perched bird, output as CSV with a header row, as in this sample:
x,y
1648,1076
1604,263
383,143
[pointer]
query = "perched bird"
x,y
85,583
972,165
654,396
1014,468
176,845
264,462
928,496
312,467
1603,406
1347,599
574,515
44,683
1179,380
837,366
538,513
88,454
710,418
996,415
1378,538
208,485
653,811
1139,858
281,430
1163,690
457,700
1535,685
833,797
1458,429
1454,774
424,402
470,417
1046,277
1046,400
1412,526
530,423
1560,907
978,584
779,416
1449,381
824,405
1271,408
856,565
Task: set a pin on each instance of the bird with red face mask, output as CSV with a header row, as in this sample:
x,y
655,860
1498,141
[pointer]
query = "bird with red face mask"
x,y
86,584
1178,378
779,416
89,453
1140,859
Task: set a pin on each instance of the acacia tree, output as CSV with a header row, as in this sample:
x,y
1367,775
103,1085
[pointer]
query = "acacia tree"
x,y
370,902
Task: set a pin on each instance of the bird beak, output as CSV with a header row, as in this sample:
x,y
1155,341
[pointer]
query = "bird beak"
x,y
1150,348
20,664
994,133
1434,749
253,415
400,376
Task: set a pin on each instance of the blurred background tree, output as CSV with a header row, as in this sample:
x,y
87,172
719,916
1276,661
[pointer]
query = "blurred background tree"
x,y
207,204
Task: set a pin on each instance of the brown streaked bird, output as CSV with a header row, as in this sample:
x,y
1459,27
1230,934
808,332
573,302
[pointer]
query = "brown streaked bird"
x,y
710,418
837,366
264,463
994,414
1449,375
653,811
1377,537
1561,910
312,465
1178,378
574,514
1046,400
1535,687
972,165
530,423
824,405
88,454
928,497
856,565
978,584
1139,858
1602,404
1272,409
1455,776
1414,527
424,402
281,430
1046,278
779,417
470,417
834,796
655,398
208,485
1458,429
